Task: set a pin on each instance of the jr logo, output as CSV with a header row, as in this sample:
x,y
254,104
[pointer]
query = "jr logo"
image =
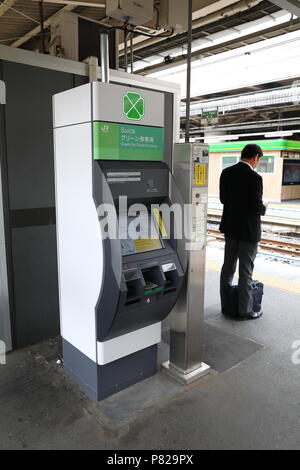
x,y
105,128
133,106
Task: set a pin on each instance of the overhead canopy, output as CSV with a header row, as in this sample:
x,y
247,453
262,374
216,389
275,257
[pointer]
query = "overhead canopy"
x,y
293,6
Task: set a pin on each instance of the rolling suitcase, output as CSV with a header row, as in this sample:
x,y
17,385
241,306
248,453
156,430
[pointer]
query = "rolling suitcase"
x,y
231,301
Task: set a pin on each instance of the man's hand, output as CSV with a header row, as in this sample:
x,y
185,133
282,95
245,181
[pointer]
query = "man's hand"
x,y
266,205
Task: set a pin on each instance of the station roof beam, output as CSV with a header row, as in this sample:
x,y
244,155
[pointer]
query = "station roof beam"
x,y
293,6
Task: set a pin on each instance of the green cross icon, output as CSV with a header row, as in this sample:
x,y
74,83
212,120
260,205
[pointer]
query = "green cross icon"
x,y
133,106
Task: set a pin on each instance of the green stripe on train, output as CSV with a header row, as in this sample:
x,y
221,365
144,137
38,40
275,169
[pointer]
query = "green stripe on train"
x,y
278,144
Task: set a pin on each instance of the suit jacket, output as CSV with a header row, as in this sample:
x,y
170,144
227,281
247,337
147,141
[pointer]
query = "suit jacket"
x,y
241,191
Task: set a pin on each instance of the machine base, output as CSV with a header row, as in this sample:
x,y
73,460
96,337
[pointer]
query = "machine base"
x,y
185,378
99,382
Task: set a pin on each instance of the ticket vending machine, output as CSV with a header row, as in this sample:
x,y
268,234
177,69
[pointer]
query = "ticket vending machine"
x,y
111,157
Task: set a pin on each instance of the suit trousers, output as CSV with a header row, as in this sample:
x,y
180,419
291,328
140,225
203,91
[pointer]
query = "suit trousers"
x,y
245,253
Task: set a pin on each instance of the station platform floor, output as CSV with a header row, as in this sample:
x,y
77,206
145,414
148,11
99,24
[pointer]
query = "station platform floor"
x,y
250,399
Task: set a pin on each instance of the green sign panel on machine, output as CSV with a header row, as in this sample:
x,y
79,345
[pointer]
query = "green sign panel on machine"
x,y
133,106
113,141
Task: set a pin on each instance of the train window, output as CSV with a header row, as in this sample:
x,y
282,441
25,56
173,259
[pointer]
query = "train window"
x,y
229,161
266,164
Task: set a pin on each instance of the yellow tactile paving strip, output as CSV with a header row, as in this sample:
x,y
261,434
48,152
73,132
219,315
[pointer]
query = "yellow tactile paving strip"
x,y
283,206
280,205
283,284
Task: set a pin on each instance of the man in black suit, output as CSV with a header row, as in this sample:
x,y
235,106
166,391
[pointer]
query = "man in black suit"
x,y
241,191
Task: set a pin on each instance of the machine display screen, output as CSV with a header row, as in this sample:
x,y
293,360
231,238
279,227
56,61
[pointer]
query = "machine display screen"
x,y
138,234
291,172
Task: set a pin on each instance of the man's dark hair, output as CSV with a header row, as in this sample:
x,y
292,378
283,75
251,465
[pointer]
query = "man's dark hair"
x,y
250,150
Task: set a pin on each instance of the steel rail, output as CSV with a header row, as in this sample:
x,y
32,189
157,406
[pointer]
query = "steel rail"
x,y
279,246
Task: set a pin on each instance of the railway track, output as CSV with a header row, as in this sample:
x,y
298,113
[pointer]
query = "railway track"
x,y
270,245
271,222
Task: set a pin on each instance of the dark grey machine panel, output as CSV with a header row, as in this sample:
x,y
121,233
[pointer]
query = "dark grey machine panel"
x,y
100,382
153,181
139,288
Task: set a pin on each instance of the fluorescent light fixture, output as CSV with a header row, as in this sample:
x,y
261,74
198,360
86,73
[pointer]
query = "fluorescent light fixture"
x,y
220,37
225,137
247,66
220,138
279,133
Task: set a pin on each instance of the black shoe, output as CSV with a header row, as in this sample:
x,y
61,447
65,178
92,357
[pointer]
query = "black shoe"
x,y
251,316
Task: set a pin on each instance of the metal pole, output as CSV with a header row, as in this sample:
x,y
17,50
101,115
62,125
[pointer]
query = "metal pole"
x,y
188,76
104,54
125,52
190,171
131,52
41,5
